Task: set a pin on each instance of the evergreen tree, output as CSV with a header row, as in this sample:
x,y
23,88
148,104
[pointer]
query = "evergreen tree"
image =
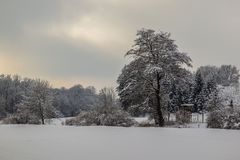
x,y
215,101
175,99
198,93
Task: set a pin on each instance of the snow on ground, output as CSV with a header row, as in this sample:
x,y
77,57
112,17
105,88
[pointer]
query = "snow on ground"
x,y
29,142
140,119
196,125
57,121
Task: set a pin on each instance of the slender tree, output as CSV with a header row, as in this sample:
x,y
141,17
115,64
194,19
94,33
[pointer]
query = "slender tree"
x,y
38,102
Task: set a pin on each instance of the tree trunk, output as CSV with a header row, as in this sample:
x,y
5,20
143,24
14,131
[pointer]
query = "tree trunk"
x,y
169,114
42,120
158,105
41,114
202,117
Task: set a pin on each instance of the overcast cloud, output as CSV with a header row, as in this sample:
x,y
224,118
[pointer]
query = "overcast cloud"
x,y
84,41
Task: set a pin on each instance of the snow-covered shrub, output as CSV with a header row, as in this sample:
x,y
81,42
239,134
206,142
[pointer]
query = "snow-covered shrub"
x,y
21,119
85,119
147,123
116,117
216,119
108,113
226,118
232,120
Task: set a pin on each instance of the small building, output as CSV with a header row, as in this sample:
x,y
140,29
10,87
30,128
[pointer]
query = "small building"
x,y
186,107
184,113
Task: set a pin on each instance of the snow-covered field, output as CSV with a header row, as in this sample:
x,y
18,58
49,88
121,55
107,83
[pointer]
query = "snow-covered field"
x,y
26,142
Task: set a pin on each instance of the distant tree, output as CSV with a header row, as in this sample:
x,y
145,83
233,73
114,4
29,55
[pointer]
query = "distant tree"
x,y
14,89
107,98
215,101
209,73
211,86
75,99
3,111
230,95
228,75
180,92
38,102
204,88
175,97
198,92
161,62
90,90
10,92
216,111
225,75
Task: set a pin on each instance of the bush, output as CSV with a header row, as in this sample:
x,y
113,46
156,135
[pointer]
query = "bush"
x,y
216,119
225,118
85,119
232,120
147,123
108,114
21,119
115,117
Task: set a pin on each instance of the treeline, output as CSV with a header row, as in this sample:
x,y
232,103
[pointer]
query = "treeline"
x,y
35,98
225,75
75,99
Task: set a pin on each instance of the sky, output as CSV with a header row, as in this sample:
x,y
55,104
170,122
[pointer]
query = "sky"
x,y
72,42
